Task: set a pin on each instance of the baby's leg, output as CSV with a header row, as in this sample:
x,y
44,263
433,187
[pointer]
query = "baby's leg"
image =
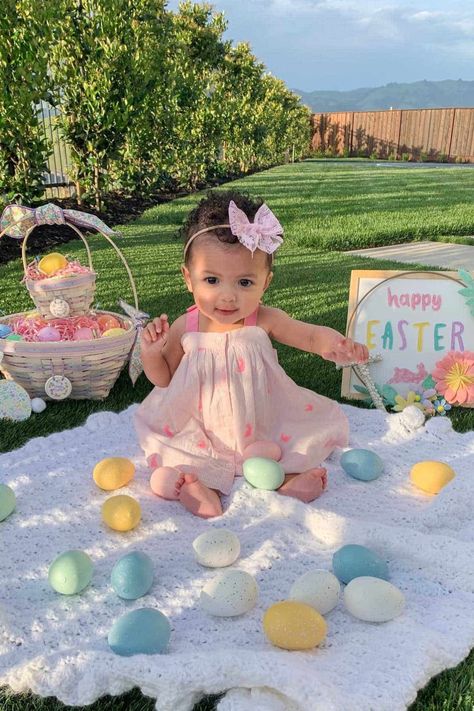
x,y
198,498
306,486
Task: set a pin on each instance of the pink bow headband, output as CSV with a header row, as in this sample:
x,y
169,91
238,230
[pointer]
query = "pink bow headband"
x,y
263,233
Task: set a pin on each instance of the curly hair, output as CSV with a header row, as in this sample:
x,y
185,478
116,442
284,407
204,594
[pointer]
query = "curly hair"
x,y
214,210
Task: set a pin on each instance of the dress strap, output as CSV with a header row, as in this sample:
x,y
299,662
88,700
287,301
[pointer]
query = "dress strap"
x,y
252,319
192,318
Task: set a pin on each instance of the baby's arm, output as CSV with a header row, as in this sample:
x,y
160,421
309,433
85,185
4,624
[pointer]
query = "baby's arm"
x,y
161,350
324,341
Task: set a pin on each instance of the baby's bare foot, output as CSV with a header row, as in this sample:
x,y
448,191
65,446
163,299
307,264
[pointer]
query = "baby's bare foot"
x,y
306,486
198,498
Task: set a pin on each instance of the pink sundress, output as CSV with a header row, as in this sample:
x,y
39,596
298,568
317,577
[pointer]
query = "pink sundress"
x,y
228,392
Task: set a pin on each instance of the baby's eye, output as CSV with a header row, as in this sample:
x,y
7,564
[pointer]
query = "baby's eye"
x,y
245,282
211,280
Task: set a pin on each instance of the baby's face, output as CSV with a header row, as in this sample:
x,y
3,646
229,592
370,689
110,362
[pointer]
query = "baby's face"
x,y
226,281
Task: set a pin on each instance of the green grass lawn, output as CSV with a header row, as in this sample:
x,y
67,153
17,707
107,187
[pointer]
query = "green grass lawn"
x,y
321,206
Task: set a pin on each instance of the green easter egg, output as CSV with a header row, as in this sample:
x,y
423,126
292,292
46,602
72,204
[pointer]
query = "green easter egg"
x,y
7,501
70,572
263,473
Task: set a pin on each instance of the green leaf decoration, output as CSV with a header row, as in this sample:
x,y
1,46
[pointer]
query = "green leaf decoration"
x,y
389,394
428,383
468,290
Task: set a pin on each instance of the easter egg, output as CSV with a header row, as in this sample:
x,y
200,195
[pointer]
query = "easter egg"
x,y
14,337
263,448
293,625
83,334
373,600
106,322
229,593
431,476
263,473
113,472
38,404
7,501
70,572
362,464
15,403
51,263
142,631
113,332
4,330
353,561
49,333
132,575
216,548
318,588
122,513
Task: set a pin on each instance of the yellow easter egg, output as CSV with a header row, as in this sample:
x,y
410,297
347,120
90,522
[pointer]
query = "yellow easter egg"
x,y
113,472
431,476
51,263
114,332
122,513
294,625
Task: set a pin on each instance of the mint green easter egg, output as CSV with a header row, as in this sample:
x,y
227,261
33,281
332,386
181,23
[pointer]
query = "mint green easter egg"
x,y
263,473
7,501
70,572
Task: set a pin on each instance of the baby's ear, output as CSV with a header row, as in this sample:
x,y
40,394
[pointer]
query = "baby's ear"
x,y
186,277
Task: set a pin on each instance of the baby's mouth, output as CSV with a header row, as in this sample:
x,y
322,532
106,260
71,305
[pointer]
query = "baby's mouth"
x,y
227,311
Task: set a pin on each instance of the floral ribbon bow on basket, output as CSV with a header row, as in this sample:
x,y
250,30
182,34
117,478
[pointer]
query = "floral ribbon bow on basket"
x,y
139,319
17,220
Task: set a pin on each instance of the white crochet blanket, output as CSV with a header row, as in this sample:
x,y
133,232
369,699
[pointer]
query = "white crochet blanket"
x,y
57,645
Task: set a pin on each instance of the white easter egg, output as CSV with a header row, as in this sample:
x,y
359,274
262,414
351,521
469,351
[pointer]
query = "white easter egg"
x,y
373,599
216,548
38,404
229,593
318,588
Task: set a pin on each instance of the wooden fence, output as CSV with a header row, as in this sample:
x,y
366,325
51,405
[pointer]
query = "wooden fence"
x,y
409,134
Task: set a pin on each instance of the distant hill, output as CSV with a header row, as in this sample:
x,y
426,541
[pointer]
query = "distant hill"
x,y
418,95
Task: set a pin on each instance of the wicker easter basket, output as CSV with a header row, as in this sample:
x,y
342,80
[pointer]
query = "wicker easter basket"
x,y
75,369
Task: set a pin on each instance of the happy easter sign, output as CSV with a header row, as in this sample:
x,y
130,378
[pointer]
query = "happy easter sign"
x,y
411,319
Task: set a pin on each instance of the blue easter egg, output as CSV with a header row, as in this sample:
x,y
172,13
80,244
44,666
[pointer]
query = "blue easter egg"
x,y
362,464
263,473
7,501
353,561
142,631
4,330
132,575
70,572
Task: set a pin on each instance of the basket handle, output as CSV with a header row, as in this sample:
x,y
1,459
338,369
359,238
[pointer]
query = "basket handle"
x,y
89,255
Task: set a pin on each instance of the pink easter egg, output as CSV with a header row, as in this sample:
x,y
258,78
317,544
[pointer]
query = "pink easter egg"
x,y
263,448
83,334
49,333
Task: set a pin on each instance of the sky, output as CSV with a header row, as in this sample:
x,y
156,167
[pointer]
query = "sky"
x,y
347,44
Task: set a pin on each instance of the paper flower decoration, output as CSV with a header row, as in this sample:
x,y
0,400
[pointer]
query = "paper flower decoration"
x,y
468,290
412,398
454,377
426,397
441,406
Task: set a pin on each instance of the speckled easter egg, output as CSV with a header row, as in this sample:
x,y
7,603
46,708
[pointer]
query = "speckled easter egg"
x,y
318,588
216,548
113,472
264,448
132,575
431,476
373,600
122,513
293,625
15,403
70,572
7,501
362,464
51,263
353,561
113,332
229,593
142,631
263,473
49,333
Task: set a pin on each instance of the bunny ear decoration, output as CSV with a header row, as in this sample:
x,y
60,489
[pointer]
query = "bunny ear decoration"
x,y
263,233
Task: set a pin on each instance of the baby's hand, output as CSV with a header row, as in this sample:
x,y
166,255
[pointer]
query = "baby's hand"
x,y
155,335
345,351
